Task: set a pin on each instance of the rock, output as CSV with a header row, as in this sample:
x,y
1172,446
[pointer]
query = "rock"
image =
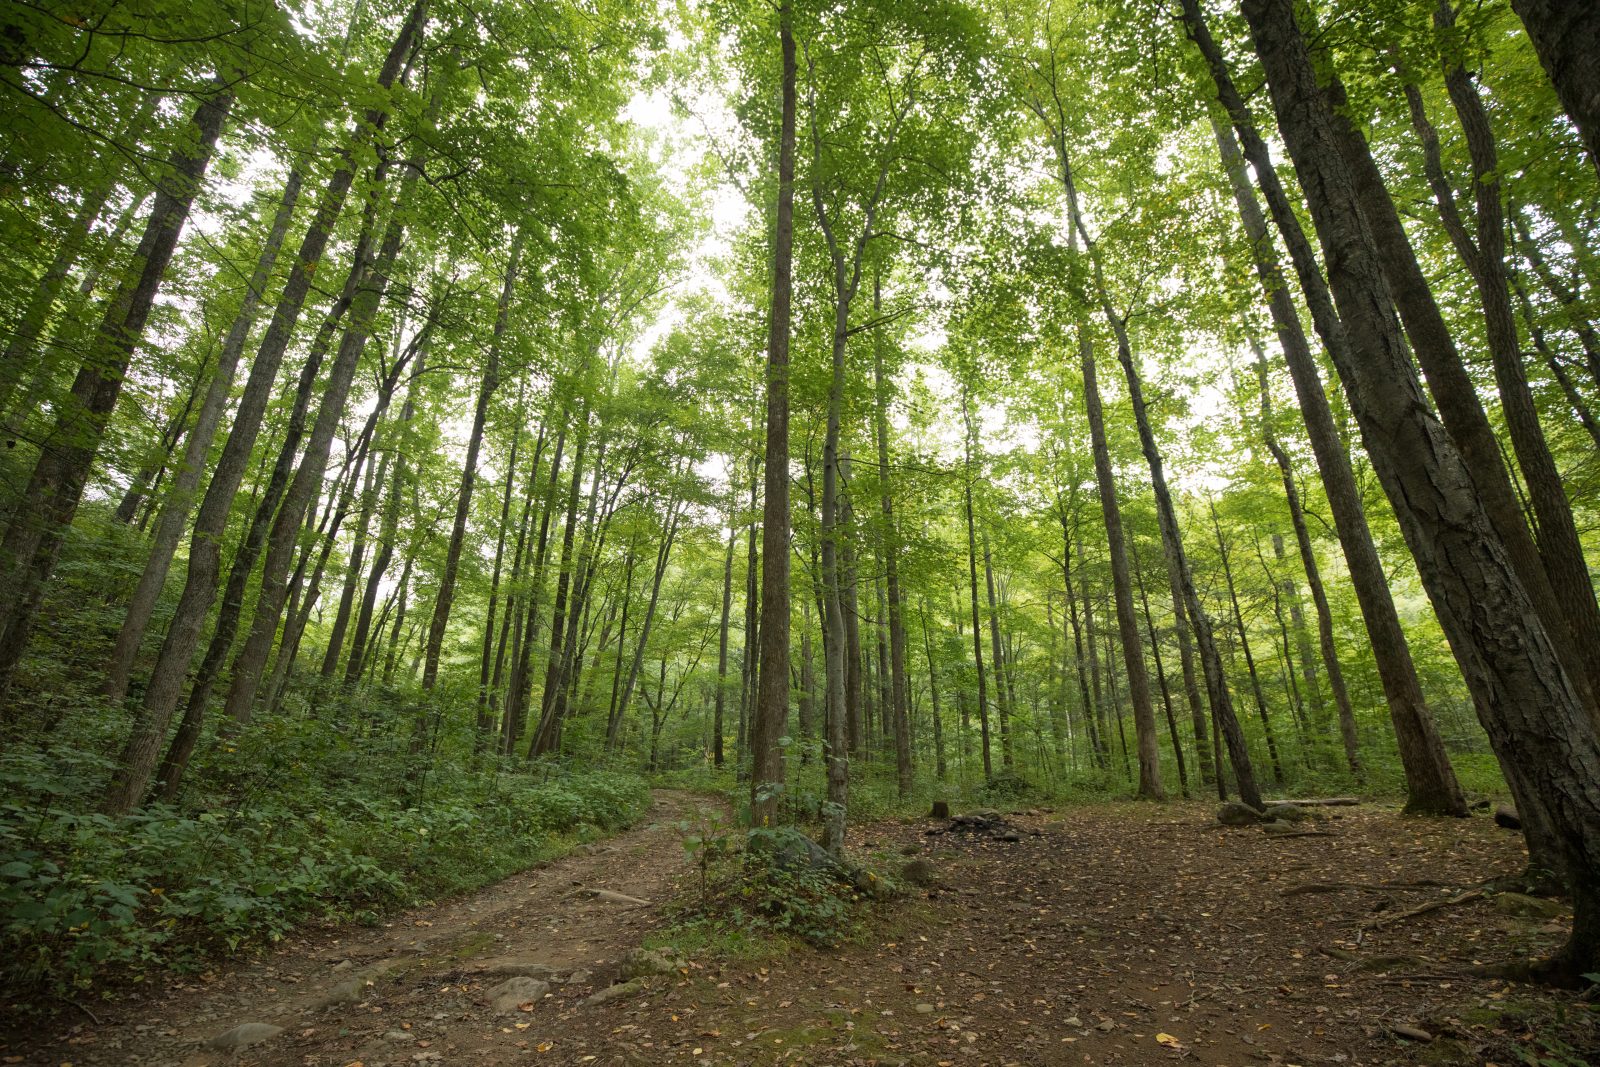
x,y
1107,1026
1522,906
343,965
644,962
1286,812
615,992
910,850
614,897
941,810
520,968
580,977
1008,835
919,873
1480,804
985,815
508,997
1276,826
1506,815
1410,1033
924,1009
1073,1021
397,1036
244,1035
1234,813
349,991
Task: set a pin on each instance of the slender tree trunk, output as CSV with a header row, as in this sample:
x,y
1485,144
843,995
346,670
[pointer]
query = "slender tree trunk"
x,y
1431,786
1224,551
180,499
1161,673
717,728
1003,696
1144,722
469,471
183,634
972,586
39,525
1557,534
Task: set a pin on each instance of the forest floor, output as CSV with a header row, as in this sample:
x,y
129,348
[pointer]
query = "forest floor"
x,y
1108,934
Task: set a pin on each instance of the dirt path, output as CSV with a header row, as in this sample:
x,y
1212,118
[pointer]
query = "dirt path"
x,y
1105,935
417,988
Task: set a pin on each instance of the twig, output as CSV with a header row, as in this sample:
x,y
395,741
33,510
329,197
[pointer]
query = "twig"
x,y
1423,909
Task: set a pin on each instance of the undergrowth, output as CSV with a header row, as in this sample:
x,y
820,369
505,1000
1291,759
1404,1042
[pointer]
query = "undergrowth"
x,y
290,824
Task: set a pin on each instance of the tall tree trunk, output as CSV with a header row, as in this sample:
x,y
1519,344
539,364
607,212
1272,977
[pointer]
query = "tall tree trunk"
x,y
899,687
771,717
39,525
1308,561
469,470
972,586
205,549
1161,673
1485,258
1144,720
1001,691
1536,718
180,498
1431,786
717,728
1566,35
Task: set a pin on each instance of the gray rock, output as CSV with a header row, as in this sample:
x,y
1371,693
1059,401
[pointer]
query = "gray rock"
x,y
397,1036
244,1035
1521,906
645,962
1073,1021
1286,812
924,1009
580,976
1234,813
508,997
349,991
1277,826
520,968
919,873
616,992
1505,815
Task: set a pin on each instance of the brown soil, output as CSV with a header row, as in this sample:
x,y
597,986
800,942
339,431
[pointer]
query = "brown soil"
x,y
1107,935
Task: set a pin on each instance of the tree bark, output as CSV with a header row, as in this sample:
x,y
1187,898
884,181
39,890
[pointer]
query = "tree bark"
x,y
1431,786
39,525
1566,36
1534,715
469,470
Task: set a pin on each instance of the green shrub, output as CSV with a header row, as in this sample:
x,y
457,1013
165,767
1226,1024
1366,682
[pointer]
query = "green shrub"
x,y
86,899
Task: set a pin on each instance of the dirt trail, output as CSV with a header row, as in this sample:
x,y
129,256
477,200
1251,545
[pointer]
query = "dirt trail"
x,y
1122,935
414,990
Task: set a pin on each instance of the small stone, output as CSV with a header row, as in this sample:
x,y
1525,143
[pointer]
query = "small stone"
x,y
1505,815
350,991
919,873
508,997
1073,1021
1106,1026
580,977
397,1035
924,1009
941,810
615,992
1275,826
1008,835
1410,1033
343,965
244,1035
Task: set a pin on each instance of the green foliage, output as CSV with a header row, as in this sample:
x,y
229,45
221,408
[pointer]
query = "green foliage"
x,y
768,883
85,897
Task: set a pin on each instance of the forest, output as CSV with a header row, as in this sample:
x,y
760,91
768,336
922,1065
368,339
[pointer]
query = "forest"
x,y
439,436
